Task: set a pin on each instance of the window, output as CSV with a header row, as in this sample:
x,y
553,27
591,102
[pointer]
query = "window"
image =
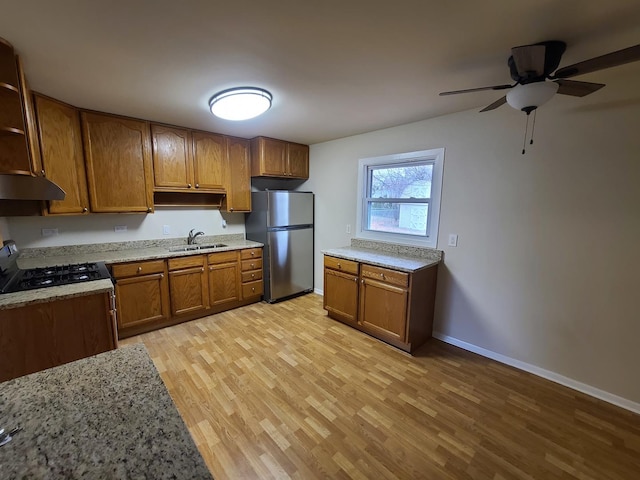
x,y
399,197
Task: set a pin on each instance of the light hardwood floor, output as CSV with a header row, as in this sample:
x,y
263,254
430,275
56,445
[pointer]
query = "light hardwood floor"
x,y
282,391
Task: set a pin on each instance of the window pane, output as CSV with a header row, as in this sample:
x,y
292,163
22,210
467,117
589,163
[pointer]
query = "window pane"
x,y
401,182
407,218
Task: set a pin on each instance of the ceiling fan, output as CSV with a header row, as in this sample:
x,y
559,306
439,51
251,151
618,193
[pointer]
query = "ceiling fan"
x,y
532,68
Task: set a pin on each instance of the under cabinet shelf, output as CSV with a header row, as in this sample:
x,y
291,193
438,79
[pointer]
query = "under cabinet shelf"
x,y
11,131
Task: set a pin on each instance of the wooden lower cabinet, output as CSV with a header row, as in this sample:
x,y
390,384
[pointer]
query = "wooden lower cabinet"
x,y
224,278
153,294
188,286
394,306
252,282
44,335
341,287
142,295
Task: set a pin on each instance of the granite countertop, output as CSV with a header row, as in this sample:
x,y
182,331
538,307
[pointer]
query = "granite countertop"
x,y
41,295
397,257
125,252
106,416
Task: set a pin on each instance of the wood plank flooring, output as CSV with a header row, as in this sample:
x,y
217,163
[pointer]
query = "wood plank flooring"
x,y
282,391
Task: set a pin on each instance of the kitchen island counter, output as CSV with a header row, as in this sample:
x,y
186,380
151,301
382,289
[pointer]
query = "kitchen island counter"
x,y
106,416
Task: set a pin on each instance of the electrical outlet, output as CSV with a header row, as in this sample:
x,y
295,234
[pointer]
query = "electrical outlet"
x,y
166,230
453,240
348,228
49,232
120,228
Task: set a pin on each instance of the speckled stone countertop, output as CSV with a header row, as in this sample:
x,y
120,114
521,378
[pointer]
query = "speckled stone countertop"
x,y
40,295
108,253
106,416
399,257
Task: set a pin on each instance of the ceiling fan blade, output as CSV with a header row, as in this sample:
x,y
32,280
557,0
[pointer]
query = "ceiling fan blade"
x,y
529,60
613,59
577,89
469,90
495,104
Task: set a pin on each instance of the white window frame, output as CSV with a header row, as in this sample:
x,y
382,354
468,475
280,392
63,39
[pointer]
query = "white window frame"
x,y
435,156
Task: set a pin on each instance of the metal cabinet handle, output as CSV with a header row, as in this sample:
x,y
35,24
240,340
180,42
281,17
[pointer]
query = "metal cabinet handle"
x,y
162,275
253,275
253,253
85,209
148,209
202,269
362,281
339,265
231,209
197,185
355,279
382,275
210,268
252,265
253,289
139,269
188,185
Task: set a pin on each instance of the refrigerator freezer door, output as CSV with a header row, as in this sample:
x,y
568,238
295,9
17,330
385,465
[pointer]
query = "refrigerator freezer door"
x,y
290,263
289,208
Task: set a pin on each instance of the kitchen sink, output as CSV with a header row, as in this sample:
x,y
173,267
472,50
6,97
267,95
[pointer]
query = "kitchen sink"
x,y
187,248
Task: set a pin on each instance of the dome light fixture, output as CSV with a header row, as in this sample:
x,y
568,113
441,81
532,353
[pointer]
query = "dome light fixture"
x,y
530,96
240,103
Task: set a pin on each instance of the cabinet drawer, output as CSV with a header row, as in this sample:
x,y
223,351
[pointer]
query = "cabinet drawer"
x,y
251,289
252,264
251,253
222,257
137,268
385,275
341,264
251,276
186,262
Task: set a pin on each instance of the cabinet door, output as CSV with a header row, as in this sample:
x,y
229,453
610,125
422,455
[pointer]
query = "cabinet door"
x,y
224,283
118,161
209,161
341,295
141,300
62,156
298,160
383,309
172,160
268,157
239,176
189,292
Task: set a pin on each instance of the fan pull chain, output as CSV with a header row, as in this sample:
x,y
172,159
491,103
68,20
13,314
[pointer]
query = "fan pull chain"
x,y
526,129
535,114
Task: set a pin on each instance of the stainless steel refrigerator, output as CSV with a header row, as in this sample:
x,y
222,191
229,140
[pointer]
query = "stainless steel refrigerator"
x,y
283,221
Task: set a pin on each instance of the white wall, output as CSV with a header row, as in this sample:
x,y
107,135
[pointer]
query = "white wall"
x,y
547,266
99,228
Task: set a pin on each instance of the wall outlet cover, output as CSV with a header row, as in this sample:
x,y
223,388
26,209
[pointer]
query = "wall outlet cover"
x,y
49,232
120,228
453,240
166,230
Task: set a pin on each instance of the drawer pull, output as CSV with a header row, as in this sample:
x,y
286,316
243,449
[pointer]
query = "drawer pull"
x,y
355,279
139,269
210,268
382,275
253,275
253,289
162,275
202,269
253,253
252,265
188,185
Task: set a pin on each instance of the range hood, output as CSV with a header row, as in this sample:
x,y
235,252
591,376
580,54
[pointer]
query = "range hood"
x,y
25,187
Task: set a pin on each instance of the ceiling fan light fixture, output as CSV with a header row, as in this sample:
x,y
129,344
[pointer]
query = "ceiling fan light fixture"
x,y
240,103
530,96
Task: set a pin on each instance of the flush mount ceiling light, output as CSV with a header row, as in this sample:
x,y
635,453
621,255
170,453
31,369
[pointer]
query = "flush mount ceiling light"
x,y
240,103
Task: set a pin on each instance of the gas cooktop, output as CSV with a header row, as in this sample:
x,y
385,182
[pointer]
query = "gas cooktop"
x,y
13,279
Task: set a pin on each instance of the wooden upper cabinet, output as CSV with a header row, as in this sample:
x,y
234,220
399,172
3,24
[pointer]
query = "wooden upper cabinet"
x,y
15,155
276,158
268,157
238,187
209,161
172,159
118,161
298,160
60,137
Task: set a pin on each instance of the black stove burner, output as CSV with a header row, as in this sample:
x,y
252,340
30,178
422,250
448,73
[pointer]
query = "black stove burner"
x,y
54,276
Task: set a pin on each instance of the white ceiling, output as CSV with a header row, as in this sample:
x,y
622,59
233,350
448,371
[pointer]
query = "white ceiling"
x,y
335,68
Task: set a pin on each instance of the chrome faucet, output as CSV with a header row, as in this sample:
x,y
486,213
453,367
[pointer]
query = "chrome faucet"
x,y
191,239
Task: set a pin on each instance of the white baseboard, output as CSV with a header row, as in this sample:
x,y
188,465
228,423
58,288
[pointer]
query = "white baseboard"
x,y
541,372
318,291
